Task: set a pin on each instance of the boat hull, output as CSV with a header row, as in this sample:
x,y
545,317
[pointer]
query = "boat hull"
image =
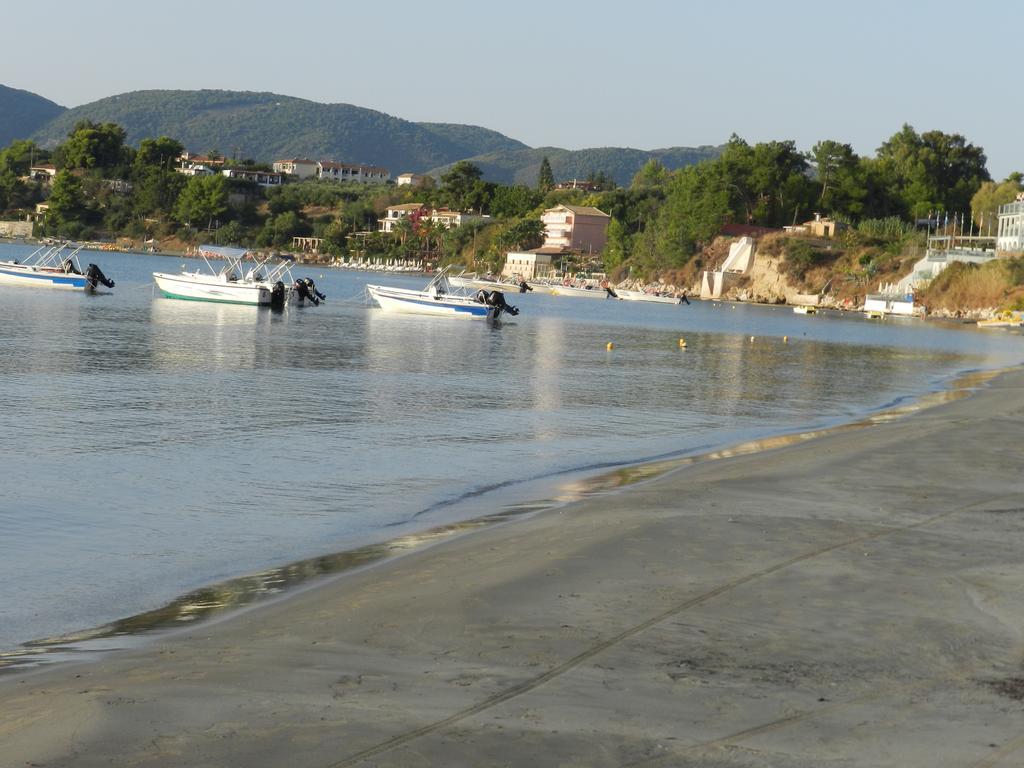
x,y
197,287
423,303
32,277
641,296
580,293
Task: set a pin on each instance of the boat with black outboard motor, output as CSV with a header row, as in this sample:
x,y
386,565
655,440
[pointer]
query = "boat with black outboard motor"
x,y
54,266
263,284
441,298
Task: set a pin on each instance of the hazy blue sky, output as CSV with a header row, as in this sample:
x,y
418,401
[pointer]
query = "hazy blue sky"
x,y
568,74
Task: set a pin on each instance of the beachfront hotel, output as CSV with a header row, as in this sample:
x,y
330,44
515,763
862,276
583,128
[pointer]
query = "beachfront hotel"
x,y
1010,235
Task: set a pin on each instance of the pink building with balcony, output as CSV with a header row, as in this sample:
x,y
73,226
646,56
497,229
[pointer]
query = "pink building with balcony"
x,y
580,228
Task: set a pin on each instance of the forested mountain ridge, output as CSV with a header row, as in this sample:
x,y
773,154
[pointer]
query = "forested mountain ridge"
x,y
22,113
621,164
266,127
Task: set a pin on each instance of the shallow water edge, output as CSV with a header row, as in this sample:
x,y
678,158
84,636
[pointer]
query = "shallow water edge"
x,y
221,600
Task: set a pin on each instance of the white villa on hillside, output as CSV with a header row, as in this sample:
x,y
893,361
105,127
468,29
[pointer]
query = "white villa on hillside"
x,y
300,167
332,171
361,174
449,218
1010,236
411,179
394,214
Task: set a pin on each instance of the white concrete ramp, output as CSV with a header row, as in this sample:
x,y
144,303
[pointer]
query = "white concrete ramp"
x,y
739,262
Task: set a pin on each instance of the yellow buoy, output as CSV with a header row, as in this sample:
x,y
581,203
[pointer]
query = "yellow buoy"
x,y
682,342
785,339
610,346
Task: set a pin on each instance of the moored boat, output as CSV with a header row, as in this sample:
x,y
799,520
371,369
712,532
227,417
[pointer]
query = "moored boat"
x,y
440,298
582,292
805,309
627,295
54,266
262,284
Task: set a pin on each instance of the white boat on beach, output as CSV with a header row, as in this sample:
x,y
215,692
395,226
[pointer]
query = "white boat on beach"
x,y
441,298
262,284
627,295
54,266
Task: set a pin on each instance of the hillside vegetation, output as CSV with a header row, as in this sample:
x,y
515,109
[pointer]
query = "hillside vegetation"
x,y
267,126
521,166
23,113
664,223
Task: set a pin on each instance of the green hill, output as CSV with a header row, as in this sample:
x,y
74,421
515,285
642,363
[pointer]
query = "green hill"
x,y
23,113
267,126
521,166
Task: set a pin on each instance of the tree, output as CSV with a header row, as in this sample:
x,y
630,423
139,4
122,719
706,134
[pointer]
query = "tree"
x,y
67,209
834,161
986,201
91,145
156,190
523,234
158,152
203,198
463,188
933,170
514,202
545,178
653,174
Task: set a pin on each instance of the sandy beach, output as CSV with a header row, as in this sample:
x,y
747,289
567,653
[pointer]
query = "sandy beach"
x,y
856,599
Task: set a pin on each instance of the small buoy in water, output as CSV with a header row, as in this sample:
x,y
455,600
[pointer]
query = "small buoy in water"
x,y
610,346
785,339
682,342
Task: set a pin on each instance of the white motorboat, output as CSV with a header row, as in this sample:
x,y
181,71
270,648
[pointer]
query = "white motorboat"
x,y
53,266
441,298
627,295
262,284
805,309
584,292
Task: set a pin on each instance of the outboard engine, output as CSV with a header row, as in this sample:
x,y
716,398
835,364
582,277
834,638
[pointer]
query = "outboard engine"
x,y
306,290
524,286
95,275
277,296
496,299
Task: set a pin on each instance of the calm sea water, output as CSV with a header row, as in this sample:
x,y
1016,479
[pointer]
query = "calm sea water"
x,y
150,446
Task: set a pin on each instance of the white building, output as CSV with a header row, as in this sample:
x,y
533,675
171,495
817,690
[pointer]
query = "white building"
x,y
260,178
394,214
411,179
449,219
529,265
361,174
1010,236
303,169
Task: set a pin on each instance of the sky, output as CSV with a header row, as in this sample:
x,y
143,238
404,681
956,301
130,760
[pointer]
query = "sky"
x,y
646,74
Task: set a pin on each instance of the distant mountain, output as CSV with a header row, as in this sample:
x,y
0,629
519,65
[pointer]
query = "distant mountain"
x,y
23,113
267,127
522,166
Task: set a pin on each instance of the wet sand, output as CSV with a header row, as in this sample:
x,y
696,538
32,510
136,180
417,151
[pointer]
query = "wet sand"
x,y
852,600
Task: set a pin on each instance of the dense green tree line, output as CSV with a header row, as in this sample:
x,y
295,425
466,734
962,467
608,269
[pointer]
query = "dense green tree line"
x,y
658,222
